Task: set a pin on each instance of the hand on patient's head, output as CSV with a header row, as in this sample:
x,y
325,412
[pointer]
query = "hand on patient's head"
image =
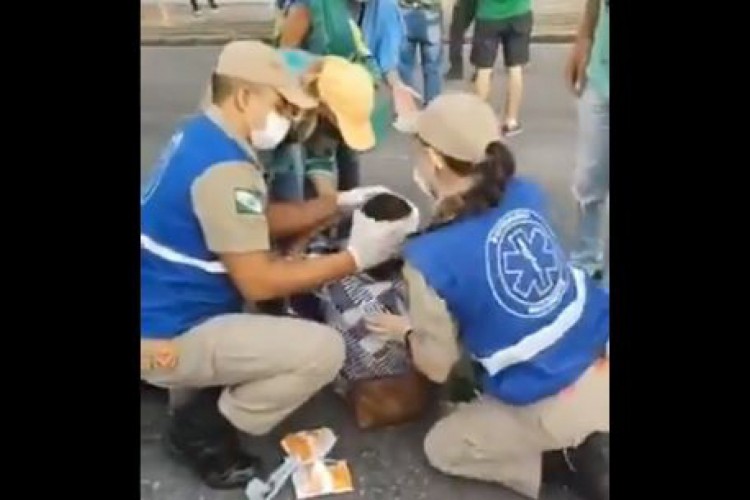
x,y
377,239
348,201
387,206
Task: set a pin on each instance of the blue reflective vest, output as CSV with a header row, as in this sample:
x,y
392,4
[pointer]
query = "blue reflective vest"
x,y
533,322
183,283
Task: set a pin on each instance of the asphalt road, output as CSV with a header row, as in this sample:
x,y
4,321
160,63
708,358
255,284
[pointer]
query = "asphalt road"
x,y
389,464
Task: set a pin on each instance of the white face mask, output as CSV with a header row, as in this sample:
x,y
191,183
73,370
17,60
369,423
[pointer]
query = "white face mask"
x,y
422,184
276,129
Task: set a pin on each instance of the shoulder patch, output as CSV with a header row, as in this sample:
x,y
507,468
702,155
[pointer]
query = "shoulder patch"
x,y
249,201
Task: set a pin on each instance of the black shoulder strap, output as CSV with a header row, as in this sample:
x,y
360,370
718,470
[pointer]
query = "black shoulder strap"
x,y
361,14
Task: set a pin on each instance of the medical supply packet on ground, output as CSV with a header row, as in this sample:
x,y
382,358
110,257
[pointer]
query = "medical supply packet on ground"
x,y
309,446
322,477
315,476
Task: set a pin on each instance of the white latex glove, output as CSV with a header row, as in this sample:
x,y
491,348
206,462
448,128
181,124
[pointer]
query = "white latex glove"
x,y
348,201
373,242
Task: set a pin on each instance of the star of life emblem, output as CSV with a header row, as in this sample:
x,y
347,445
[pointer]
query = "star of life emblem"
x,y
525,265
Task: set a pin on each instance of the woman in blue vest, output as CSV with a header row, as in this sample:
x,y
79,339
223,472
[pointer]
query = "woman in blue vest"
x,y
489,277
206,232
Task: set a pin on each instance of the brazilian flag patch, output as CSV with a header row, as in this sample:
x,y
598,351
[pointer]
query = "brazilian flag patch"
x,y
248,201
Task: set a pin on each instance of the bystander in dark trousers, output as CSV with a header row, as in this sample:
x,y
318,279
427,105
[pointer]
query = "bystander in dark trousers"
x,y
461,19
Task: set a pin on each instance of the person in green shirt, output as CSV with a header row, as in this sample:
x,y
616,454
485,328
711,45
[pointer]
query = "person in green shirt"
x,y
507,23
587,75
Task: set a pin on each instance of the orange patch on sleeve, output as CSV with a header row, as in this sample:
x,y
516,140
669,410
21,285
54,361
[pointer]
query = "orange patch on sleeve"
x,y
159,355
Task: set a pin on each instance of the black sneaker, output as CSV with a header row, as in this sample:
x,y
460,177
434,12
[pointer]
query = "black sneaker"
x,y
201,438
455,72
215,466
584,469
555,469
590,462
510,131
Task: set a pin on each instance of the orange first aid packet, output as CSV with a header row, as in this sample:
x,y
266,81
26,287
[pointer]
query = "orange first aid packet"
x,y
322,478
309,446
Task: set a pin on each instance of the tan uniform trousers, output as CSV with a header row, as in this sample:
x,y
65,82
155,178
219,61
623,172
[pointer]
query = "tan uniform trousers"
x,y
268,365
492,441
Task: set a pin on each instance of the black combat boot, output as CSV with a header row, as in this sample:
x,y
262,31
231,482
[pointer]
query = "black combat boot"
x,y
204,440
590,461
555,469
584,469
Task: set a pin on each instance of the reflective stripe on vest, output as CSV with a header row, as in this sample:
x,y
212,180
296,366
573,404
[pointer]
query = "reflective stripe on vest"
x,y
170,255
545,337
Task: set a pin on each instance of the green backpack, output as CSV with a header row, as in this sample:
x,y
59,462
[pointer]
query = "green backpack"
x,y
330,29
333,32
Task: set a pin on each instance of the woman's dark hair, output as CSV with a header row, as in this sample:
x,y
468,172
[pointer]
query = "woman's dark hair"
x,y
491,178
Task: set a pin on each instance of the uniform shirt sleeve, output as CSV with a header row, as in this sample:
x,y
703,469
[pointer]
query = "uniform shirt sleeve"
x,y
435,333
229,200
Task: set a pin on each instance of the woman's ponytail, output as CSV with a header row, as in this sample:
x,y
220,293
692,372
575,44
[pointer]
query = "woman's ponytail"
x,y
491,176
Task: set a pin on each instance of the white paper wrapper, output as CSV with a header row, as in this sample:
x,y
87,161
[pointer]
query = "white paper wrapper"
x,y
322,478
309,446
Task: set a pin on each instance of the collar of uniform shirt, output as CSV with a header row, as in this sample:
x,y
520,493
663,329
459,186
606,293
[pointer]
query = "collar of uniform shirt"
x,y
214,113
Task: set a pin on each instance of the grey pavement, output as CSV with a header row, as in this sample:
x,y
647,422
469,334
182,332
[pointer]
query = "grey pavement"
x,y
387,464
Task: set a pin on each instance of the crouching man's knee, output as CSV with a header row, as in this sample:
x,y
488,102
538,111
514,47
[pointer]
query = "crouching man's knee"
x,y
326,353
